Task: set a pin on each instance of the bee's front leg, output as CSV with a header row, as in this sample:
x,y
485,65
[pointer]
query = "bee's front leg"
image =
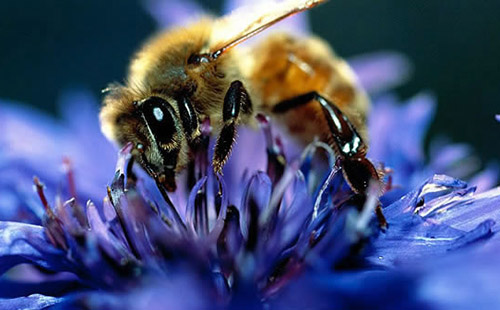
x,y
235,101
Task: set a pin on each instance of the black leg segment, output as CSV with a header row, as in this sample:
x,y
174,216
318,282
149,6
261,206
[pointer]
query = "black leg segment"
x,y
188,115
348,144
235,102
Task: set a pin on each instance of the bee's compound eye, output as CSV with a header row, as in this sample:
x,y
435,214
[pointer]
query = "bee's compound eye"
x,y
160,118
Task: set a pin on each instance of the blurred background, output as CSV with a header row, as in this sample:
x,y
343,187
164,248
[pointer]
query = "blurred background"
x,y
53,45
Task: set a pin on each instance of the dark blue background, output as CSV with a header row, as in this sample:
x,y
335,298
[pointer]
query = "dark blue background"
x,y
52,45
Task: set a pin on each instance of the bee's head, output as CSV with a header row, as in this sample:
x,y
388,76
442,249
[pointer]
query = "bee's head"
x,y
164,135
152,125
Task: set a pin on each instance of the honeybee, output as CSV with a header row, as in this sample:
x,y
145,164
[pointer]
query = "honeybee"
x,y
184,76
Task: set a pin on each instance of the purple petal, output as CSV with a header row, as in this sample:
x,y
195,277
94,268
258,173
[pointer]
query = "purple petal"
x,y
298,24
109,243
465,280
255,200
181,290
13,207
441,216
497,117
397,135
45,285
173,13
469,211
30,137
381,71
25,243
229,239
220,220
486,179
32,302
292,216
350,290
459,161
191,208
80,111
34,144
247,157
445,153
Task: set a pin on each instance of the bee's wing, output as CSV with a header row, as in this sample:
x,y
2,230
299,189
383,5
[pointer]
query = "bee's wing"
x,y
246,22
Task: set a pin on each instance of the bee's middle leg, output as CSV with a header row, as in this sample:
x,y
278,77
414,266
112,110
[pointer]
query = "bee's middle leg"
x,y
236,101
358,171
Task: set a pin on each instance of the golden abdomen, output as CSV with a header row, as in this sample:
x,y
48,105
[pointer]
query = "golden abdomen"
x,y
286,66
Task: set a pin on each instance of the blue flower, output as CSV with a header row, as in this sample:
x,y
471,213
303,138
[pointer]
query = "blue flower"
x,y
277,237
397,133
35,144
